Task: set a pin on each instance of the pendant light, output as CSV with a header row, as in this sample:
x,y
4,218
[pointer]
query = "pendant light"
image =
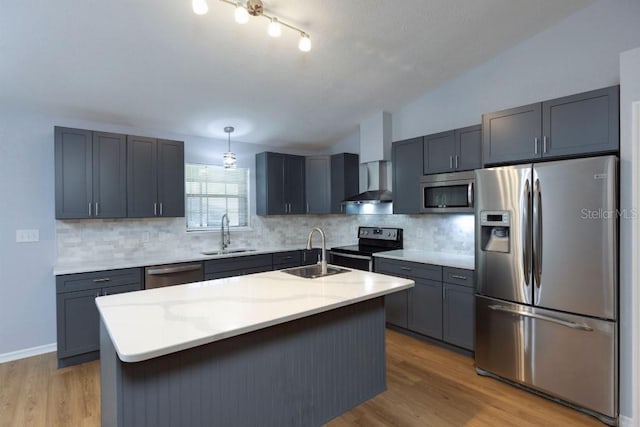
x,y
229,160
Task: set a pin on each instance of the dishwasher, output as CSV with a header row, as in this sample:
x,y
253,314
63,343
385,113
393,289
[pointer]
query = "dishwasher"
x,y
158,276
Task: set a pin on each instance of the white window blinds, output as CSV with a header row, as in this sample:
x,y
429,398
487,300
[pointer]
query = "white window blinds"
x,y
213,191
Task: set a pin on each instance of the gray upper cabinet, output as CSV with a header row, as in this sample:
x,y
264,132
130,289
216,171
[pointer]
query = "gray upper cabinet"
x,y
456,150
586,123
512,135
407,162
155,177
280,184
345,179
468,148
90,174
318,184
171,186
439,153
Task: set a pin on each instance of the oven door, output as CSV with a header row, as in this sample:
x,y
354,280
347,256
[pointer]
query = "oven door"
x,y
357,262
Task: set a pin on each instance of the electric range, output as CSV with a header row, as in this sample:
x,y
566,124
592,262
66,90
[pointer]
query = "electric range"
x,y
370,241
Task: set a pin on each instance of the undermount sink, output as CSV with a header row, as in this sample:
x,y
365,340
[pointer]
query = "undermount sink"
x,y
314,271
227,251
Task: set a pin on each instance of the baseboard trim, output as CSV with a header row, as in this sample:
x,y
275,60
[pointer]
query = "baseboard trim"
x,y
626,421
28,352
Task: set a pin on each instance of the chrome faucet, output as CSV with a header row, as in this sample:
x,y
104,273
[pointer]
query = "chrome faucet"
x,y
225,238
323,259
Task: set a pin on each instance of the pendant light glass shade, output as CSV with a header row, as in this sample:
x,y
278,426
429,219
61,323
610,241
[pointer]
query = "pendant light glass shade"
x,y
229,158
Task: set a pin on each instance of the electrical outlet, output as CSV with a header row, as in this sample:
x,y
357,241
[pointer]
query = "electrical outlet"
x,y
26,236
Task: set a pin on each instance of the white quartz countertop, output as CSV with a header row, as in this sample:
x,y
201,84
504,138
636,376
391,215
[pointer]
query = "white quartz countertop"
x,y
154,322
115,263
431,257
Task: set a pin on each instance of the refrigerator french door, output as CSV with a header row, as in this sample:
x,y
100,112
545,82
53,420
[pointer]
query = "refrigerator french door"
x,y
547,262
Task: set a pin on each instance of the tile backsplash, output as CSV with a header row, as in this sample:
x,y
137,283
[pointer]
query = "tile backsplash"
x,y
95,240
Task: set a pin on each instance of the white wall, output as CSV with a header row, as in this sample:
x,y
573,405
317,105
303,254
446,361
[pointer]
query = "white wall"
x,y
579,54
629,232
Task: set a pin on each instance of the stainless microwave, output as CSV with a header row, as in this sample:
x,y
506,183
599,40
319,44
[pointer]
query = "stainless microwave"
x,y
447,192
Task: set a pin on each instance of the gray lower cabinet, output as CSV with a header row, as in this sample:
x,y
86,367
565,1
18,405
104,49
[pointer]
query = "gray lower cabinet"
x,y
90,174
280,184
425,308
576,125
237,266
155,177
77,314
311,256
458,315
407,160
439,306
288,259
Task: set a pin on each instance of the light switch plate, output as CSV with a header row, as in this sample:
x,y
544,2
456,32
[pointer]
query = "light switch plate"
x,y
26,236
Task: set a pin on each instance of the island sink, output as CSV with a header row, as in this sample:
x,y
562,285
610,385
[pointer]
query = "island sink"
x,y
314,271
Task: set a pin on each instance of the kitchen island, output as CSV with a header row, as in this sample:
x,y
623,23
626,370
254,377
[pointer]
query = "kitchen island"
x,y
263,349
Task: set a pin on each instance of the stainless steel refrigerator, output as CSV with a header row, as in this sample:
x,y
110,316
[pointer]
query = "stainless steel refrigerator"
x,y
547,270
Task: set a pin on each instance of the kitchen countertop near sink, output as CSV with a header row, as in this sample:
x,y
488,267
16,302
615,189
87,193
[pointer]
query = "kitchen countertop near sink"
x,y
431,257
157,259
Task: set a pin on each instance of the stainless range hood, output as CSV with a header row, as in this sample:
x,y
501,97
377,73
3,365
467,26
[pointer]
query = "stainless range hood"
x,y
375,168
376,179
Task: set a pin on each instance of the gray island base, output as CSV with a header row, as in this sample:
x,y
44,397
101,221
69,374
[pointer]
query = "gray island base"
x,y
299,373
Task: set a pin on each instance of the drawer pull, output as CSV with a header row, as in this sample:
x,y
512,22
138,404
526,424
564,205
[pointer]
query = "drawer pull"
x,y
405,269
286,258
456,276
104,279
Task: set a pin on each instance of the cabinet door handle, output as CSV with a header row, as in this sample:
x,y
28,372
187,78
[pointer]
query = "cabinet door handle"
x,y
97,294
160,208
444,294
457,161
307,207
105,292
155,209
535,145
104,279
89,208
97,211
544,144
450,162
456,276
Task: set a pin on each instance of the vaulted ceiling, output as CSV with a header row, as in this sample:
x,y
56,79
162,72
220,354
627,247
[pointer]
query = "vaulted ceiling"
x,y
155,64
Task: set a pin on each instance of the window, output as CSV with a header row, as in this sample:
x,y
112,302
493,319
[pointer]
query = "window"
x,y
213,191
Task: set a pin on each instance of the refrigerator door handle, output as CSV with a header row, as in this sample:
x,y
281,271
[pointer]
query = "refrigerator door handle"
x,y
567,323
537,234
526,241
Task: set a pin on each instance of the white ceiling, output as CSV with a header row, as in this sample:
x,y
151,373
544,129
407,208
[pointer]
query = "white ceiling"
x,y
154,64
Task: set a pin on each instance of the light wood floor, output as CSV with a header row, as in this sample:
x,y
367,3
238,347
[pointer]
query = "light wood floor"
x,y
427,386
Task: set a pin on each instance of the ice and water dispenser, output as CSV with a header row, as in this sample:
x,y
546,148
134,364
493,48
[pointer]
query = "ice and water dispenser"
x,y
495,229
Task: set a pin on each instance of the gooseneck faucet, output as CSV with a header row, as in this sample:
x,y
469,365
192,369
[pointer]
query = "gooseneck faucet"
x,y
225,238
323,260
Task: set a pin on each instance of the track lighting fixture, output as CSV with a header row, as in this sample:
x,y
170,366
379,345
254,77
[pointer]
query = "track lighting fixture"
x,y
243,12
